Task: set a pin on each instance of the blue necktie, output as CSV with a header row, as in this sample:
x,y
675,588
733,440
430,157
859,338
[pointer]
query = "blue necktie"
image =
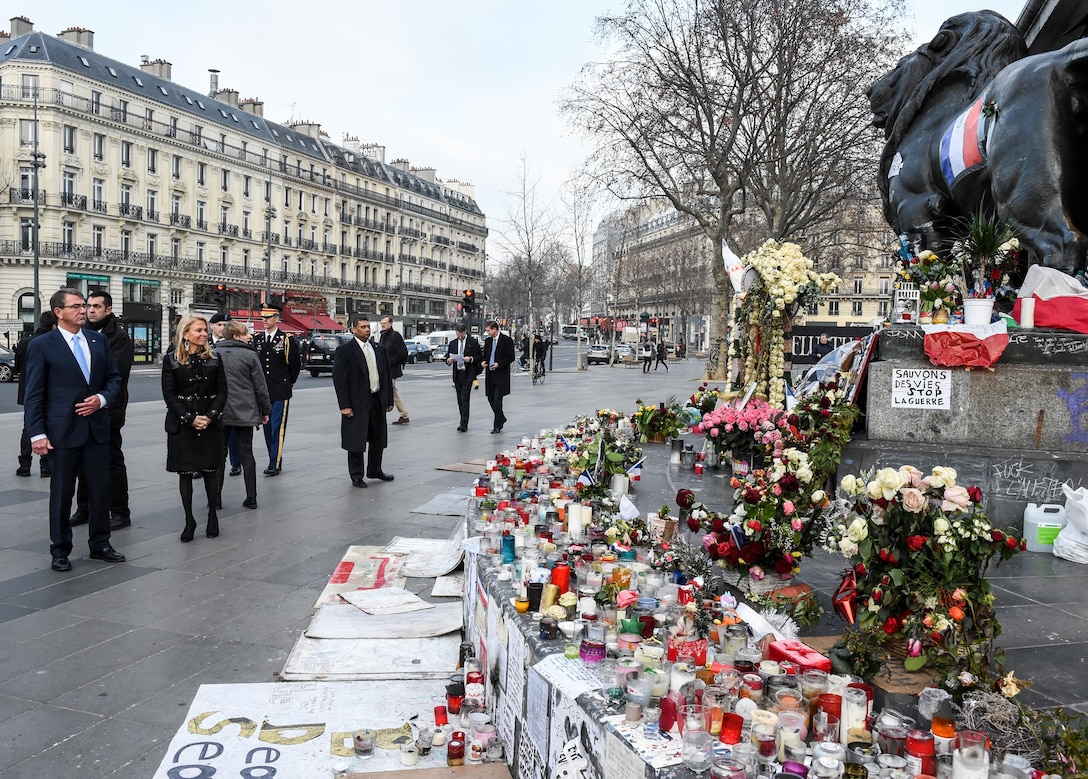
x,y
494,345
81,358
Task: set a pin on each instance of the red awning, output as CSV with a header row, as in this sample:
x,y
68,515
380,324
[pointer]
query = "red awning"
x,y
307,322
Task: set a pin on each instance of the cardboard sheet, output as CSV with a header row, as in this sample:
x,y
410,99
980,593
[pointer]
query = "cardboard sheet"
x,y
296,729
345,621
451,586
363,568
449,504
386,601
428,557
314,659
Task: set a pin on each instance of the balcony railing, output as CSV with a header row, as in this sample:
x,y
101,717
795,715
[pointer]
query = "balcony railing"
x,y
152,216
307,245
410,232
24,195
201,225
181,220
328,248
101,206
247,233
72,200
130,210
228,230
275,237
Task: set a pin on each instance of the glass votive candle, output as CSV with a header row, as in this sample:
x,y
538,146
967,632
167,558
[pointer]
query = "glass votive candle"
x,y
632,713
651,721
455,753
409,754
440,716
364,741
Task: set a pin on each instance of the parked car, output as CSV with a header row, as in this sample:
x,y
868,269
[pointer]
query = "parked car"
x,y
7,364
317,351
624,351
419,352
599,353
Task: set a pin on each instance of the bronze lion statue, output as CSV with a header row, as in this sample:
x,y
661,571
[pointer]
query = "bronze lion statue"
x,y
974,124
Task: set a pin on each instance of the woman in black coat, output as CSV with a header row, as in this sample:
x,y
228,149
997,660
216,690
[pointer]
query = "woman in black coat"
x,y
194,386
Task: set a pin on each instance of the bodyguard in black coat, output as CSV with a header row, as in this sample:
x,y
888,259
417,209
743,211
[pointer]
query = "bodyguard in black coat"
x,y
498,356
364,394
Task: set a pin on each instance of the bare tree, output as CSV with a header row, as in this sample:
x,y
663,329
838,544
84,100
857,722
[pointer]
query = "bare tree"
x,y
735,107
578,199
529,238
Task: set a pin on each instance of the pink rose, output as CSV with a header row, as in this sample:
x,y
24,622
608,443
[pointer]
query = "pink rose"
x,y
797,524
756,573
788,507
955,499
714,432
626,598
709,540
913,499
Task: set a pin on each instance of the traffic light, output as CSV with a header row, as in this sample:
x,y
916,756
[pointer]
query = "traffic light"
x,y
470,300
221,297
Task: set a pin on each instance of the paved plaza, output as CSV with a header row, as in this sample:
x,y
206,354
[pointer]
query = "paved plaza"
x,y
99,666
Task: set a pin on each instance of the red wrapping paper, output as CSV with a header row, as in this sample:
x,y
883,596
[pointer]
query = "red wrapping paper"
x,y
953,346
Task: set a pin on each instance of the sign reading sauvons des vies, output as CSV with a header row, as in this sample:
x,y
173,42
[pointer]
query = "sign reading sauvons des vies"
x,y
921,388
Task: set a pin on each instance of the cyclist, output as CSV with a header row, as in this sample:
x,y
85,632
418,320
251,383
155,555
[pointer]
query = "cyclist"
x,y
540,351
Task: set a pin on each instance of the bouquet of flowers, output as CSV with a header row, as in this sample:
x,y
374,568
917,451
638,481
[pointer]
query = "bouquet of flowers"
x,y
705,399
774,523
730,427
987,253
936,279
919,546
662,420
820,424
784,283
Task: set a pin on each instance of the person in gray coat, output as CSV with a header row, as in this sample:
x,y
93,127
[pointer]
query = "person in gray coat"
x,y
248,404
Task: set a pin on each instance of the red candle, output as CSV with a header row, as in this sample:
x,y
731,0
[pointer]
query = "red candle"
x,y
440,717
561,577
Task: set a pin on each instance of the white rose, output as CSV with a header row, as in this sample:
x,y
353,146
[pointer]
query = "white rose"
x,y
858,530
940,526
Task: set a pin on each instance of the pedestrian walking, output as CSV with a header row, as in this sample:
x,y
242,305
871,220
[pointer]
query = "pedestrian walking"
x,y
466,358
194,386
100,317
248,405
71,380
217,324
364,393
393,343
46,322
647,356
662,355
499,354
282,362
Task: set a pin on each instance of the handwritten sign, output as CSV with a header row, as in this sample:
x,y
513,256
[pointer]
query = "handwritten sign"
x,y
921,388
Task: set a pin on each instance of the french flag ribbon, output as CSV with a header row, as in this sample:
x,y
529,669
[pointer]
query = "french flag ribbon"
x,y
964,142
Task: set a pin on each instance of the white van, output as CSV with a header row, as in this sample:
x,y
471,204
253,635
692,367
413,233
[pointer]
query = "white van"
x,y
437,340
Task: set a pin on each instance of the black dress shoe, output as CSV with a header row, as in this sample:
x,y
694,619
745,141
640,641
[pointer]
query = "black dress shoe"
x,y
496,430
249,503
107,553
237,469
46,473
271,471
461,428
117,522
78,518
61,564
358,482
23,470
380,476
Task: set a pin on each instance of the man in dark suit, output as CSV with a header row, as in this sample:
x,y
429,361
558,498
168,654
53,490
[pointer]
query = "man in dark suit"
x,y
70,383
101,319
498,355
364,393
282,363
467,359
397,352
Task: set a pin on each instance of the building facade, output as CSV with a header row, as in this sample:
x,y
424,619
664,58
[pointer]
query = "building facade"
x,y
174,200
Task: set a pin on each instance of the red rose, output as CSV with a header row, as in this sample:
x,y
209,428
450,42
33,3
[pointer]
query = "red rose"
x,y
754,525
884,554
891,625
997,535
1012,543
783,565
825,412
712,550
882,502
752,496
860,569
995,274
832,385
877,595
936,637
916,542
693,524
794,420
718,525
1023,545
975,494
825,402
685,499
789,482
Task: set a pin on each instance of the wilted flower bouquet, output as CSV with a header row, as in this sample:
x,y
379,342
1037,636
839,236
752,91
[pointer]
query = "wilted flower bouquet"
x,y
919,547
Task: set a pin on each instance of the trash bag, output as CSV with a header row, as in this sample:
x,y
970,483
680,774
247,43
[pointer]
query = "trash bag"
x,y
1071,544
1076,508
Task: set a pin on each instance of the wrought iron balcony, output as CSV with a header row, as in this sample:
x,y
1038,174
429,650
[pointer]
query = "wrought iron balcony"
x,y
24,195
307,244
247,233
228,230
181,220
275,237
130,210
201,225
101,206
152,216
72,200
328,248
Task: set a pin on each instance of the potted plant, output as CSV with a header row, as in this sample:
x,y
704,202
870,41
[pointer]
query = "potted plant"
x,y
987,253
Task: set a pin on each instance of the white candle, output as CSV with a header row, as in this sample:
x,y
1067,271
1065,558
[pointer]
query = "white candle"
x,y
575,521
1027,312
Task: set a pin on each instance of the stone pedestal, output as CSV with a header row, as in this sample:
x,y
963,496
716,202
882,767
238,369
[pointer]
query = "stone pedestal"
x,y
1019,431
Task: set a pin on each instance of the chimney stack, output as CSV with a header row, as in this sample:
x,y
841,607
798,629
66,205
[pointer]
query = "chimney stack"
x,y
20,25
252,105
228,96
159,67
213,82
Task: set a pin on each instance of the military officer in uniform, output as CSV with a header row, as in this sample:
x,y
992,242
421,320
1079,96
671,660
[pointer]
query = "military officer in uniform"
x,y
282,362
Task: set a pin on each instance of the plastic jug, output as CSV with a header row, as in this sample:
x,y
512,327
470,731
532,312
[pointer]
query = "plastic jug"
x,y
1042,523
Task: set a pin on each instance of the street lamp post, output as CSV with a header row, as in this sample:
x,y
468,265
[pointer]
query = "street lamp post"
x,y
269,213
38,163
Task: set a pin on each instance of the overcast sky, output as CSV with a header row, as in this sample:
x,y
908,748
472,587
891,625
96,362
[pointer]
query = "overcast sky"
x,y
465,87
